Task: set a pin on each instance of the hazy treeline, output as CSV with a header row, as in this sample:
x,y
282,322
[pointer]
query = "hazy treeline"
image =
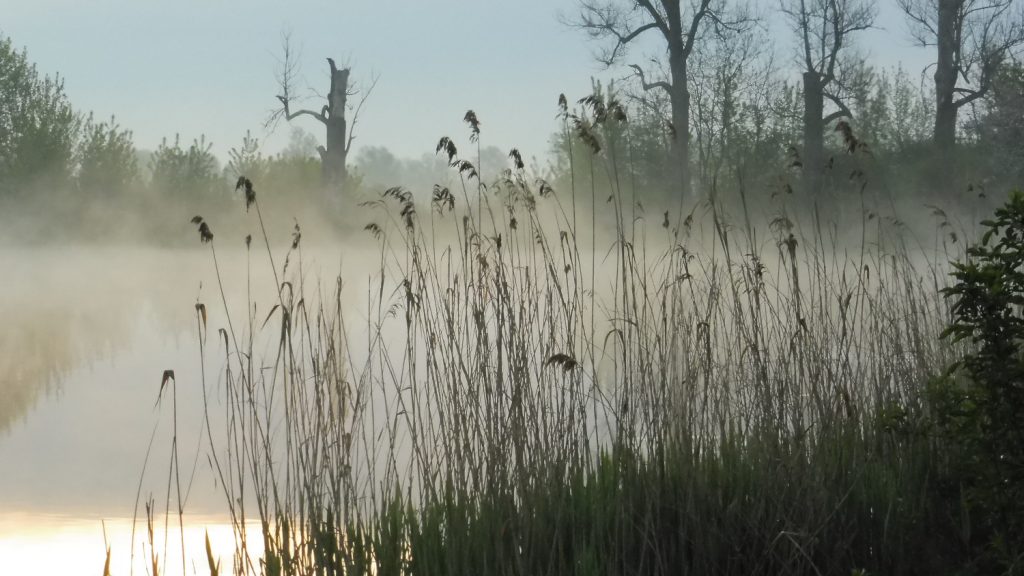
x,y
76,175
752,125
66,174
724,95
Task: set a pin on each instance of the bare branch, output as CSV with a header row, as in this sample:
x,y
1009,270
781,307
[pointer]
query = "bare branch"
x,y
289,116
842,112
608,20
656,16
623,40
921,18
652,85
355,113
691,35
825,28
287,75
984,34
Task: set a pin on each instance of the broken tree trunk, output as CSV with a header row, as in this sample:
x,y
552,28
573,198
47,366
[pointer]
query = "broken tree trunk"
x,y
335,156
814,134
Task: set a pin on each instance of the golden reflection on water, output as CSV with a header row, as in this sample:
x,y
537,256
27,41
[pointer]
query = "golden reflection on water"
x,y
85,334
45,545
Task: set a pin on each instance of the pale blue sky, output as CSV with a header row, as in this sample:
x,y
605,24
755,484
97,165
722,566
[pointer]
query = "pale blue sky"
x,y
207,66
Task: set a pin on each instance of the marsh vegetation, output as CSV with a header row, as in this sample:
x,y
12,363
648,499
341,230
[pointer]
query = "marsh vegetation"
x,y
525,393
735,325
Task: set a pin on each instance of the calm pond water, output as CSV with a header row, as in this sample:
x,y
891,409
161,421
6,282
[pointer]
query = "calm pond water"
x,y
85,335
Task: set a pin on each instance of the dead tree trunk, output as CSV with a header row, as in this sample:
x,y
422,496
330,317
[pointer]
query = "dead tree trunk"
x,y
814,134
972,39
825,28
335,157
679,25
945,76
679,95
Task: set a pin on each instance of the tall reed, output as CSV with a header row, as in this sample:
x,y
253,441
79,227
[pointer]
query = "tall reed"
x,y
706,394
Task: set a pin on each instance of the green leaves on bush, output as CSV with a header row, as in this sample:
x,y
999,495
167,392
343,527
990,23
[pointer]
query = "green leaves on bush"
x,y
985,418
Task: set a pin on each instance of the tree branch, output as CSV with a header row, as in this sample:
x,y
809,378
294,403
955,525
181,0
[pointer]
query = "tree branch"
x,y
650,86
969,96
655,16
289,115
804,26
623,40
355,114
604,20
843,112
691,35
915,12
836,116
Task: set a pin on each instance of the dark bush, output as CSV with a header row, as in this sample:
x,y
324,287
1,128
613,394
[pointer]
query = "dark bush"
x,y
983,418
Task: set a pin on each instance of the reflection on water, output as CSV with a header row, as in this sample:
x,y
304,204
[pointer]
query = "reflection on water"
x,y
85,335
63,309
56,544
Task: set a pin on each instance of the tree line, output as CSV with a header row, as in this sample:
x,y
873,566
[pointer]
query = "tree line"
x,y
718,91
46,146
710,107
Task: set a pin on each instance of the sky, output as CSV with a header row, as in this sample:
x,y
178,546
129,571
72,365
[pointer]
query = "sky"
x,y
207,67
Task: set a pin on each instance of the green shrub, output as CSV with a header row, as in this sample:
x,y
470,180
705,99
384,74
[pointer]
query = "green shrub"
x,y
984,418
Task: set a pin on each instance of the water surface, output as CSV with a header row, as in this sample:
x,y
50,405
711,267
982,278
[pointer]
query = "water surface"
x,y
85,336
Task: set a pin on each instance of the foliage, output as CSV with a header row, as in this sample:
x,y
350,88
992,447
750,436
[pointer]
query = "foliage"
x,y
984,418
246,160
889,111
179,173
287,177
38,127
999,128
106,159
292,173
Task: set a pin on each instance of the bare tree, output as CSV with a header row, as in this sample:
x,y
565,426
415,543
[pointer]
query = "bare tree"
x,y
824,29
972,39
678,24
339,134
730,78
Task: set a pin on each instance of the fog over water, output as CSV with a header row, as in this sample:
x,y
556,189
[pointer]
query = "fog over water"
x,y
89,331
87,334
497,175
